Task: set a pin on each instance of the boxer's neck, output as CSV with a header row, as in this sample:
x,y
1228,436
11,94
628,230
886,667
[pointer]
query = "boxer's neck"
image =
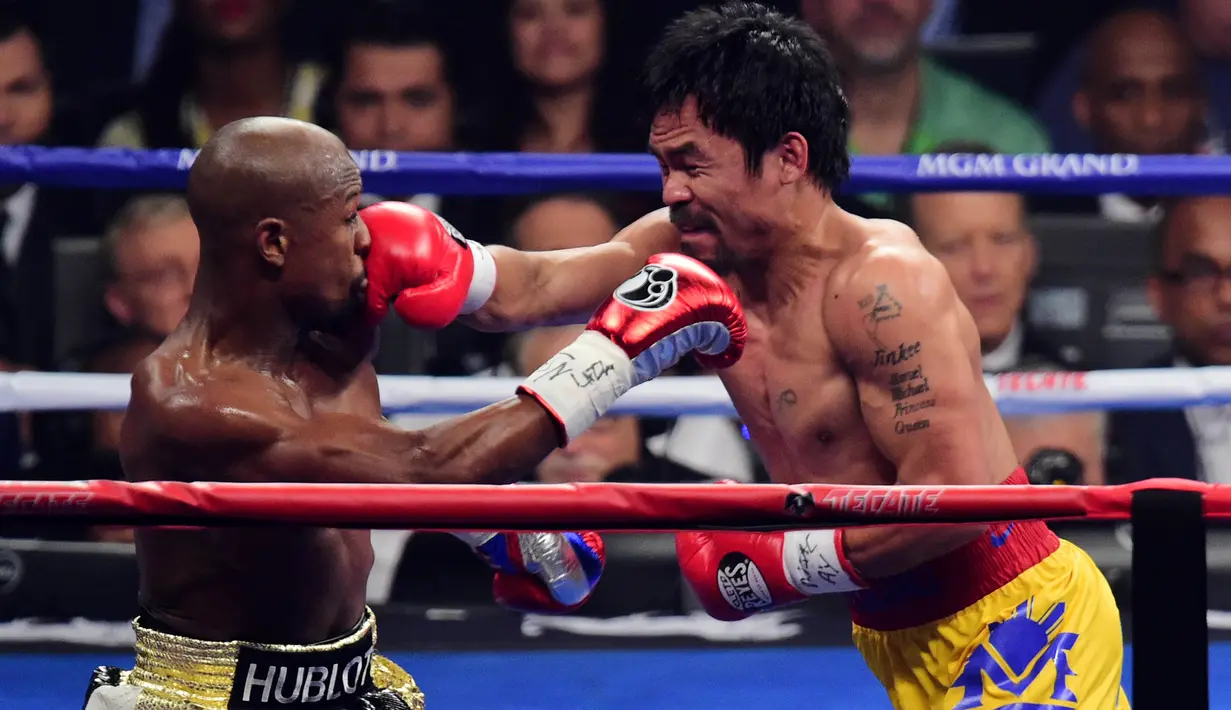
x,y
245,324
799,246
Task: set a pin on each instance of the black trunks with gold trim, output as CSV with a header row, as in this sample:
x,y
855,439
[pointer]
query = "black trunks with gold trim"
x,y
177,673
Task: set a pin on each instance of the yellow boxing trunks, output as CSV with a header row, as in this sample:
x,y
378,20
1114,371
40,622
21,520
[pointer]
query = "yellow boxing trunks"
x,y
1016,619
177,673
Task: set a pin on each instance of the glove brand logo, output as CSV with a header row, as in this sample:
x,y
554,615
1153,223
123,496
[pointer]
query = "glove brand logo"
x,y
652,289
1014,655
450,229
741,583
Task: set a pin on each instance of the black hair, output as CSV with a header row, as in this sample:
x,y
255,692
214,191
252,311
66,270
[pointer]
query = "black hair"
x,y
613,123
16,17
384,24
756,75
172,75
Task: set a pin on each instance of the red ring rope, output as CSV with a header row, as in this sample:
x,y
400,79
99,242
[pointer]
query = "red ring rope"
x,y
593,506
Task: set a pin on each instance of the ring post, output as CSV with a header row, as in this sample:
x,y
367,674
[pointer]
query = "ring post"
x,y
1171,639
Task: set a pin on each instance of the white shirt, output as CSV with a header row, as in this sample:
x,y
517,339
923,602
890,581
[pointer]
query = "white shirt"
x,y
1125,210
19,207
1006,355
1211,430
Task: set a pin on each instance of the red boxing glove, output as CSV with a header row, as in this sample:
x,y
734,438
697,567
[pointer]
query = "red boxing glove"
x,y
673,306
737,574
423,266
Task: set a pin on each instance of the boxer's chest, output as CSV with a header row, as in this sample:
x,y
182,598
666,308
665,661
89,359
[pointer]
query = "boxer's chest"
x,y
800,405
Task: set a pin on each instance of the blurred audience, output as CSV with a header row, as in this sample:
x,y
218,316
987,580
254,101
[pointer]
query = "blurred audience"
x,y
1140,92
1190,290
151,251
985,244
567,91
217,62
393,88
901,100
1141,82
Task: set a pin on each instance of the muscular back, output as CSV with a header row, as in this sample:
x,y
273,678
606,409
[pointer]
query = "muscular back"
x,y
272,584
870,372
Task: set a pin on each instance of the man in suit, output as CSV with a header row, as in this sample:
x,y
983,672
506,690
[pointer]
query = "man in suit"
x,y
1190,290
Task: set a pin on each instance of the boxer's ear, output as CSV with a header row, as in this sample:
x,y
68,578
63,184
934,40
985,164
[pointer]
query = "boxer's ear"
x,y
271,240
792,154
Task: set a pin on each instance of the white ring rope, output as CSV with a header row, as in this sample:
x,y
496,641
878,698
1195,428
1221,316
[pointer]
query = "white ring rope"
x,y
1015,393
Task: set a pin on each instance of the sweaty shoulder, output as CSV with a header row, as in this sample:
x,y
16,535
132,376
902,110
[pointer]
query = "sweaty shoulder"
x,y
228,406
885,250
886,275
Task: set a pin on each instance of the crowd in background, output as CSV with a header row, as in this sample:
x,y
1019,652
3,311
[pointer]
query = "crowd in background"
x,y
559,76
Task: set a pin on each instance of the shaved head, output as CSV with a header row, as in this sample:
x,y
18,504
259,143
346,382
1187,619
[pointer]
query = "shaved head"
x,y
276,203
264,167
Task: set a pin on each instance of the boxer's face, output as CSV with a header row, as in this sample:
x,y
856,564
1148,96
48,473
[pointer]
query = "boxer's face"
x,y
323,272
395,98
723,212
1142,93
875,35
1192,294
557,43
982,240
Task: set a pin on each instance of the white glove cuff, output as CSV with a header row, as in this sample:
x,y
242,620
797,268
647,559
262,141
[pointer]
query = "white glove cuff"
x,y
815,564
484,281
581,382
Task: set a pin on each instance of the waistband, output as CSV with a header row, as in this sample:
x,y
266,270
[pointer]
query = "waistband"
x,y
237,675
944,586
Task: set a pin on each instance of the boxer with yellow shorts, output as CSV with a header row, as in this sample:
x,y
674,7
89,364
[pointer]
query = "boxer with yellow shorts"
x,y
1018,618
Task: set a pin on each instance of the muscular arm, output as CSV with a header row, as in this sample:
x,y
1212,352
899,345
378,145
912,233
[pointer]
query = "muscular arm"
x,y
898,325
566,285
249,435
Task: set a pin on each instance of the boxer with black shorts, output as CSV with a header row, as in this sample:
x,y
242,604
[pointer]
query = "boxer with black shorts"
x,y
268,379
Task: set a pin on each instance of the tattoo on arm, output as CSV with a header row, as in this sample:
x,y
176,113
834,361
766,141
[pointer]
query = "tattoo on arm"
x,y
878,308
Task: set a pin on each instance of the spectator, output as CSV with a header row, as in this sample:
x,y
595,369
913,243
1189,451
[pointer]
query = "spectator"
x,y
394,89
1141,93
1190,291
152,251
612,449
218,62
1201,24
901,100
984,242
566,93
31,217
